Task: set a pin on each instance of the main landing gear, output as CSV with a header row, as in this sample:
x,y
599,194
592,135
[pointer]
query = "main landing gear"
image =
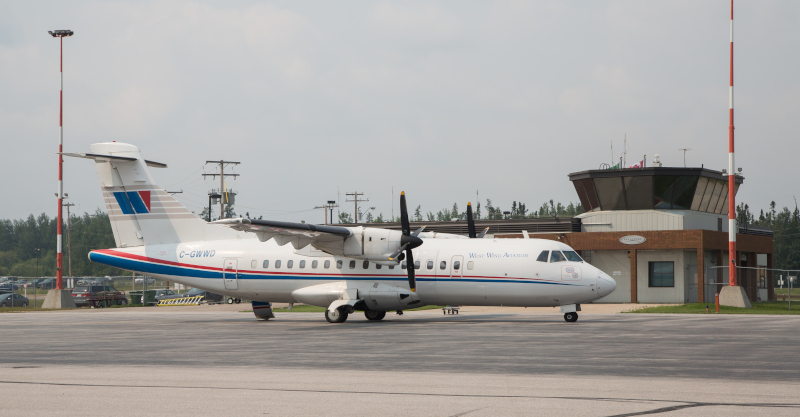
x,y
570,317
374,315
337,316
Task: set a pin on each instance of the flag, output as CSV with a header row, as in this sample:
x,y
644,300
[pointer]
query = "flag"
x,y
614,167
639,164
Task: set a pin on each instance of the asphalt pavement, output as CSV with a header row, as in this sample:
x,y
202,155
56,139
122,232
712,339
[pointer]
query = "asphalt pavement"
x,y
478,363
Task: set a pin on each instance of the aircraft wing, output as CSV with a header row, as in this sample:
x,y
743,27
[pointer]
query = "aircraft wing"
x,y
299,235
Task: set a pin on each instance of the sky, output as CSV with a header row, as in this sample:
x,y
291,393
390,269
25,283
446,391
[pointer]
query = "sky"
x,y
444,100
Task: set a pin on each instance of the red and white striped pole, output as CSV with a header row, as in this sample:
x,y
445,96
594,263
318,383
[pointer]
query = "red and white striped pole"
x,y
732,226
61,34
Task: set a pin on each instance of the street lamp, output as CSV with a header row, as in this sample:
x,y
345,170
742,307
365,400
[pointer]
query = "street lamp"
x,y
61,34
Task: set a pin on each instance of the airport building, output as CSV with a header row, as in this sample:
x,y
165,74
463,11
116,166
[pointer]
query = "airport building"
x,y
659,232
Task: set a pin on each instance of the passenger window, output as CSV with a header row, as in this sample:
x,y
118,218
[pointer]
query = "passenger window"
x,y
365,265
377,266
470,265
327,264
314,264
416,264
352,264
543,256
443,265
557,256
265,265
253,264
339,264
277,264
457,265
302,264
289,264
391,266
429,265
572,256
404,265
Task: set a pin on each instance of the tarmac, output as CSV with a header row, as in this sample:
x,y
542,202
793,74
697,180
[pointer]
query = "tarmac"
x,y
484,361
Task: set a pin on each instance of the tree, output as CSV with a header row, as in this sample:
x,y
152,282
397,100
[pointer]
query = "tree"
x,y
345,218
418,214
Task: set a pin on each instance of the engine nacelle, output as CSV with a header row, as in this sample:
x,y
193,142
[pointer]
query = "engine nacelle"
x,y
384,297
367,243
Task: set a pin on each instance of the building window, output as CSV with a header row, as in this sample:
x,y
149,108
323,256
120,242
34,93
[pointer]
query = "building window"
x,y
266,264
661,274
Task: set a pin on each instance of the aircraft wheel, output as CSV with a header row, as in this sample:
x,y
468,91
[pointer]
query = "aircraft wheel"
x,y
375,315
238,300
337,316
571,317
230,300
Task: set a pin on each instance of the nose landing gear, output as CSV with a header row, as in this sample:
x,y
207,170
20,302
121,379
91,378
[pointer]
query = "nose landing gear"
x,y
571,317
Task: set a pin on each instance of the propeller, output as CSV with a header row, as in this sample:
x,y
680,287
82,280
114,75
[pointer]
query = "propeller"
x,y
408,242
471,224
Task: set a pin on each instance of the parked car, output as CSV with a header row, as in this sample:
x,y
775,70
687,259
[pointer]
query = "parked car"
x,y
207,296
46,283
6,300
166,295
95,294
140,280
7,287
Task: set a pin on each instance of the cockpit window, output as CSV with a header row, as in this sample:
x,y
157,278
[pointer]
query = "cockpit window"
x,y
543,256
572,256
557,256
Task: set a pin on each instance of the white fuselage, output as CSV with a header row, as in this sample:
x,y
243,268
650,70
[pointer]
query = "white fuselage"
x,y
489,272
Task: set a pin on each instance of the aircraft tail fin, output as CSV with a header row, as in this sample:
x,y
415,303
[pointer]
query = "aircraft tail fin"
x,y
141,212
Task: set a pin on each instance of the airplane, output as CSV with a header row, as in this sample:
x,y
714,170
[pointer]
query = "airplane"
x,y
341,268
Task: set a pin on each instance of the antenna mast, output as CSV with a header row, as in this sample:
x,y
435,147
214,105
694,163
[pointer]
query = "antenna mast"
x,y
732,226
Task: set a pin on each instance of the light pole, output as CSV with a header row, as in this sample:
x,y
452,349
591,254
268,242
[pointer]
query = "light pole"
x,y
61,34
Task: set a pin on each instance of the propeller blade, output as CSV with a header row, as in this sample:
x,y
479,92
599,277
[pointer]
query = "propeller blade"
x,y
397,252
412,280
470,222
418,231
483,233
405,226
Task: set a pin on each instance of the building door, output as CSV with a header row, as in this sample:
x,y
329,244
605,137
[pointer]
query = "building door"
x,y
456,266
230,274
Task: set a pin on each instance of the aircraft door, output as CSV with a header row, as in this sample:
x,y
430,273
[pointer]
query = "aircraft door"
x,y
456,266
230,274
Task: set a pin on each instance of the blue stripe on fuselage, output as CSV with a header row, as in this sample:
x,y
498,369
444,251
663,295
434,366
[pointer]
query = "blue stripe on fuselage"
x,y
180,271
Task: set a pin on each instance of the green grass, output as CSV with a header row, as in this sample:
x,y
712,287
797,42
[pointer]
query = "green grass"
x,y
770,307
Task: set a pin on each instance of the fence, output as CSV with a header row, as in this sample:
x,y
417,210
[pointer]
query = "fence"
x,y
760,283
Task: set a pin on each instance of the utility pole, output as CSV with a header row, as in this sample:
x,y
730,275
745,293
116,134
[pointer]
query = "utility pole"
x,y
328,206
60,34
355,200
222,191
684,155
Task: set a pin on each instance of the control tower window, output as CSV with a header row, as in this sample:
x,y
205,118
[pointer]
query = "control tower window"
x,y
543,256
572,256
557,256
